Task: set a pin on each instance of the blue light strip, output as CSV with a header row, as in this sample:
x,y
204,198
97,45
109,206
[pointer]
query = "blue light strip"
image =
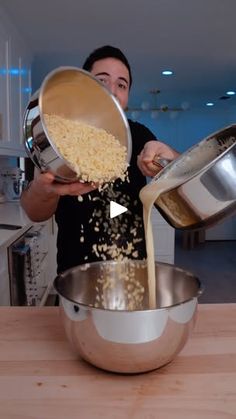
x,y
13,71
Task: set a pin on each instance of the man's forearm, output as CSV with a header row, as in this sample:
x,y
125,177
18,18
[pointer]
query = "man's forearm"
x,y
38,205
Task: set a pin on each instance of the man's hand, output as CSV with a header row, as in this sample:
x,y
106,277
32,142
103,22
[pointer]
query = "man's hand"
x,y
41,198
154,149
45,184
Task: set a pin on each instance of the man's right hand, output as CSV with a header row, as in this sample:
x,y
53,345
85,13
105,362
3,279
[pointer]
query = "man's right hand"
x,y
151,150
45,184
41,198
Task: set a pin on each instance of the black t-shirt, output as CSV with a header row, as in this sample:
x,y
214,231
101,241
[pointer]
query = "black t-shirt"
x,y
85,230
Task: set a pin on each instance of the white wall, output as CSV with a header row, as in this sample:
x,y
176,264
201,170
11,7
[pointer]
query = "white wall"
x,y
188,127
15,80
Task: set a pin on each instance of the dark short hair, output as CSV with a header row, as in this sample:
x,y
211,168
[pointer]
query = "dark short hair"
x,y
106,51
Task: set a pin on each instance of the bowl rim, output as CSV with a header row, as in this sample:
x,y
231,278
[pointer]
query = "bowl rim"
x,y
112,262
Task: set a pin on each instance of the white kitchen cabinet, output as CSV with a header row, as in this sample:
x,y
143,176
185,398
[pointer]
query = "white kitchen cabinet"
x,y
15,65
164,238
4,94
25,84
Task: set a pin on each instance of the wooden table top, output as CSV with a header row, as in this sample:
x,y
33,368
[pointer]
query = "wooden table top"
x,y
41,377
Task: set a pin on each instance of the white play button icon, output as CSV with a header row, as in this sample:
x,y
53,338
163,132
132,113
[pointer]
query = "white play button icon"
x,y
116,209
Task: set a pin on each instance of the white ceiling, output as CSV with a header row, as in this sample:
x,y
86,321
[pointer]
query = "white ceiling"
x,y
195,38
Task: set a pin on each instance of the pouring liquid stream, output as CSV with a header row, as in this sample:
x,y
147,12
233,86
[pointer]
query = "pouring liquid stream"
x,y
148,195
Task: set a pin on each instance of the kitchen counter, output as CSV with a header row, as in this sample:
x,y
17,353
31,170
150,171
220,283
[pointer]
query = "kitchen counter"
x,y
41,377
12,213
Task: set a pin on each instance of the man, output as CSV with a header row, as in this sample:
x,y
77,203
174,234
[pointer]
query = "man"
x,y
85,231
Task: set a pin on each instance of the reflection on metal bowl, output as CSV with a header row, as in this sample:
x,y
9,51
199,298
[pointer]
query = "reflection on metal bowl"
x,y
108,335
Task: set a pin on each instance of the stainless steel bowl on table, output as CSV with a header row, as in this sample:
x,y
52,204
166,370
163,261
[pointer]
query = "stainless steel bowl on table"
x,y
107,334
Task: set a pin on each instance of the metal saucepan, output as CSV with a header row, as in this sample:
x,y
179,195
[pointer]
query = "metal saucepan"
x,y
106,331
204,179
74,94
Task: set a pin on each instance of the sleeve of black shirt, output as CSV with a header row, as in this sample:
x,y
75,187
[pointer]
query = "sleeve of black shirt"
x,y
140,136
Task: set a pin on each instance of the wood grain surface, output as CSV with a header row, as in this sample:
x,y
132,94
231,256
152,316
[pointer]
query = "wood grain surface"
x,y
41,377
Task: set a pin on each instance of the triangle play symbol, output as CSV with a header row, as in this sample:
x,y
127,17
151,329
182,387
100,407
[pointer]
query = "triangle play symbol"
x,y
116,209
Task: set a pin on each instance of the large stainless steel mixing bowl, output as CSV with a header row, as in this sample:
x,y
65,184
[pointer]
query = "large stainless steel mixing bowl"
x,y
106,334
76,95
205,189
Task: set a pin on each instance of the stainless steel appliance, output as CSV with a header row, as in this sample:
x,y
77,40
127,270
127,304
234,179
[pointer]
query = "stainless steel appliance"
x,y
27,260
13,183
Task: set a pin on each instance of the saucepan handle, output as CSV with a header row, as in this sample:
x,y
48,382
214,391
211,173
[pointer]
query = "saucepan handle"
x,y
160,162
201,290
